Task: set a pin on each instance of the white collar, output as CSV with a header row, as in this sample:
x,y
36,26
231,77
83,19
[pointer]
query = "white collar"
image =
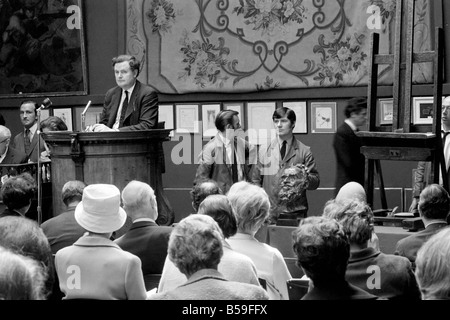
x,y
351,124
144,219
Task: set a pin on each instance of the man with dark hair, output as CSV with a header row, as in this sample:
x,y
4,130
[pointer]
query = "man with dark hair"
x,y
18,192
25,143
203,189
349,161
130,106
227,158
323,250
434,206
63,230
283,152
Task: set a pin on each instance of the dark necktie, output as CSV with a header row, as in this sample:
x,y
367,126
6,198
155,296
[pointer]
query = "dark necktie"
x,y
234,167
444,137
124,109
283,149
27,142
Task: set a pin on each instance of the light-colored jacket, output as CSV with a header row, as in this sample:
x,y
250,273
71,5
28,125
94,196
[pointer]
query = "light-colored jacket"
x,y
96,268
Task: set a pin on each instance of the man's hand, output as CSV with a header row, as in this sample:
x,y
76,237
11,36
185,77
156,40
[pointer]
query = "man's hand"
x,y
100,128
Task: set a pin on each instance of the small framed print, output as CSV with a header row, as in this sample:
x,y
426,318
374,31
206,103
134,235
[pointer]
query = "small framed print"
x,y
260,125
187,118
238,107
66,116
209,114
165,114
45,113
422,110
299,107
386,113
323,117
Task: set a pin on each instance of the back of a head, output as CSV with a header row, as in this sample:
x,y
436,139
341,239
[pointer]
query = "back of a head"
x,y
351,190
355,216
21,277
139,200
251,204
355,105
72,191
5,133
18,191
322,249
53,123
203,189
195,243
220,209
433,267
434,202
25,237
224,118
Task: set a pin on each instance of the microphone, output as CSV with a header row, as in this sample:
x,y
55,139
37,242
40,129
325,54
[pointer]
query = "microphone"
x,y
86,108
45,104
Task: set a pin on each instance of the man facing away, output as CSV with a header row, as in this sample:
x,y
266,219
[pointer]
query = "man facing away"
x,y
283,152
227,158
132,105
145,238
349,161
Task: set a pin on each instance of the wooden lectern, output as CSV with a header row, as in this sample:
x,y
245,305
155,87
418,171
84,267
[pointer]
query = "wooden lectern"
x,y
112,158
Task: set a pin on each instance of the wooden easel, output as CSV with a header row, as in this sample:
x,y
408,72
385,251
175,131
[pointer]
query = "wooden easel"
x,y
401,143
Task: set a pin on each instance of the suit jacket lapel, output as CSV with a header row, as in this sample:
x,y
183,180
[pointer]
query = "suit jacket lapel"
x,y
291,152
33,143
132,102
115,101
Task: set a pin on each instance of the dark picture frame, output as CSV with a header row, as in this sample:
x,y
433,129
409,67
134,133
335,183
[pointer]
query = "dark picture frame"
x,y
42,49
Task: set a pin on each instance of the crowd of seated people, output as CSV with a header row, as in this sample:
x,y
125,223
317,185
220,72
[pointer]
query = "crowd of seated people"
x,y
333,250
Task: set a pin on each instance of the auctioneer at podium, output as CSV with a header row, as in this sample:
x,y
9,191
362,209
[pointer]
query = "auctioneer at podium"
x,y
112,158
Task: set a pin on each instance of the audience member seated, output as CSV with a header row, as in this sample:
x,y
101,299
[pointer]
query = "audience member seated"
x,y
94,267
52,123
17,193
145,238
292,183
233,266
21,277
252,207
203,189
433,267
195,247
23,236
322,250
434,206
63,230
6,151
384,275
353,190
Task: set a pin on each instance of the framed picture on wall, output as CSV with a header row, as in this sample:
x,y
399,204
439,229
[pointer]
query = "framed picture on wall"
x,y
299,107
165,114
422,110
209,114
238,107
43,50
260,125
65,115
187,118
323,117
45,114
386,111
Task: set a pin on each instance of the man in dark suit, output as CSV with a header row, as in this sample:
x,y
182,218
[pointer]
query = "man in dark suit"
x,y
434,206
227,158
63,230
25,143
145,238
349,161
130,106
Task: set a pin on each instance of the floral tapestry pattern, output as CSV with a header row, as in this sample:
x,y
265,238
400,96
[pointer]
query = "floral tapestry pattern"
x,y
253,45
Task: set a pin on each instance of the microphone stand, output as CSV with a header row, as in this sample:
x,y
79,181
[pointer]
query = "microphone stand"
x,y
47,103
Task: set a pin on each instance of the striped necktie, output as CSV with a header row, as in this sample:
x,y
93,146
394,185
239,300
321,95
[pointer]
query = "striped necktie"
x,y
27,142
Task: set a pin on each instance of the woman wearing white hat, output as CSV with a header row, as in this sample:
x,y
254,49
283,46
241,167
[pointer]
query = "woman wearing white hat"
x,y
94,267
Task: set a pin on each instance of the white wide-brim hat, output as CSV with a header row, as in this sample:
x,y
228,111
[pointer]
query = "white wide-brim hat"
x,y
100,211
